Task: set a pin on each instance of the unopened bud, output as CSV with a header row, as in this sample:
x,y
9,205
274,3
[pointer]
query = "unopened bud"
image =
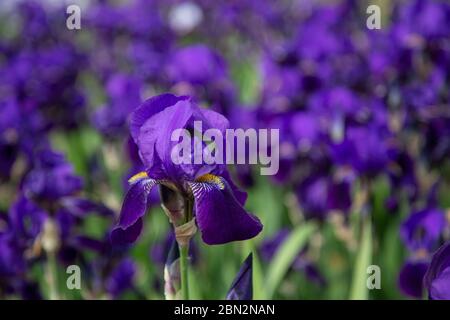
x,y
173,204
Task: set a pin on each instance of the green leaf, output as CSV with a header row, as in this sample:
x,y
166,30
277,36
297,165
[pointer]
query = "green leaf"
x,y
194,290
286,255
359,290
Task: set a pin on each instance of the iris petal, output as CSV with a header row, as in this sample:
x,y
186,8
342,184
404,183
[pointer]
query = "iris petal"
x,y
220,216
148,109
156,133
133,208
128,235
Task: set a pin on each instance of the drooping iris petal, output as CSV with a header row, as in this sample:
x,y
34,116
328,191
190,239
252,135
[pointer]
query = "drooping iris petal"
x,y
242,286
133,208
241,196
129,235
220,216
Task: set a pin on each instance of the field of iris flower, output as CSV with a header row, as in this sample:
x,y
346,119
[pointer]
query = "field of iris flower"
x,y
93,205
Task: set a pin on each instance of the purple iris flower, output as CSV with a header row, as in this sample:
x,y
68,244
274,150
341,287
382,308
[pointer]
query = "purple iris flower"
x,y
218,205
423,229
27,223
242,286
437,278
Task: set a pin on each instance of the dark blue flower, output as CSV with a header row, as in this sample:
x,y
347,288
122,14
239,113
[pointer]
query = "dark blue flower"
x,y
217,202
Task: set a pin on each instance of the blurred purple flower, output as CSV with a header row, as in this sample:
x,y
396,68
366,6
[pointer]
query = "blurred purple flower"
x,y
123,95
121,278
423,229
318,195
51,178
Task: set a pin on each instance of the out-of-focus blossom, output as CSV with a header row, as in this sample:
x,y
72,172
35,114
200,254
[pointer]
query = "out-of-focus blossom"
x,y
121,278
319,195
52,177
423,229
123,95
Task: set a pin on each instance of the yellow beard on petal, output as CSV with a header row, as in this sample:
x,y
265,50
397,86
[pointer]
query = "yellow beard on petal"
x,y
138,176
210,178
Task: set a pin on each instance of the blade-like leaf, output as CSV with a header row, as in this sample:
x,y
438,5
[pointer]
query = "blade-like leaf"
x,y
359,290
286,255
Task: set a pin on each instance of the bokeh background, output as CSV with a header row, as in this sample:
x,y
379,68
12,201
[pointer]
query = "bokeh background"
x,y
364,121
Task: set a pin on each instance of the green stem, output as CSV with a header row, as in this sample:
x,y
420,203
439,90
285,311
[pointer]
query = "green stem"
x,y
52,277
184,271
184,255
